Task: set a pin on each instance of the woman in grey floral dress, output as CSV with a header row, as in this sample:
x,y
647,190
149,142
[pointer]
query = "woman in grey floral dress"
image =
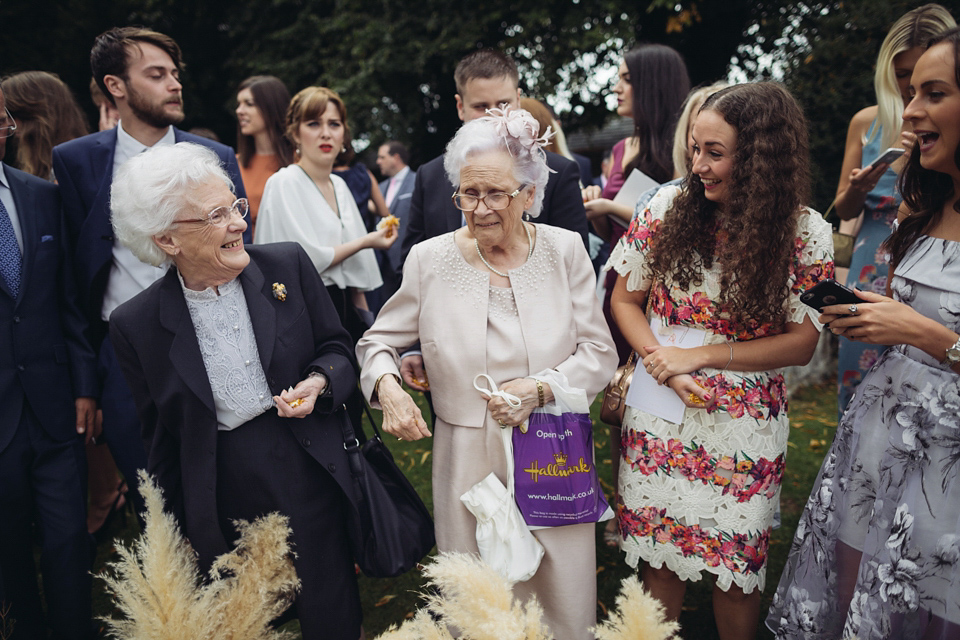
x,y
877,551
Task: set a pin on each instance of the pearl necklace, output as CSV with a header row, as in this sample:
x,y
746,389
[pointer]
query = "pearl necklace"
x,y
490,266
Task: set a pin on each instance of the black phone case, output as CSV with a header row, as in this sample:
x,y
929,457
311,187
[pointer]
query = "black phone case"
x,y
826,293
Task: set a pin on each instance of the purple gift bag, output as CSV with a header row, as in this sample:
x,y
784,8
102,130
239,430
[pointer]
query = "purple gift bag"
x,y
554,471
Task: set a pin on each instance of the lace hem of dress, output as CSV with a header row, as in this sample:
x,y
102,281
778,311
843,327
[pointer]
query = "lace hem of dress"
x,y
690,568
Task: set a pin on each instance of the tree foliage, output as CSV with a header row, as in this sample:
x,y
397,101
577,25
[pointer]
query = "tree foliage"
x,y
391,60
828,51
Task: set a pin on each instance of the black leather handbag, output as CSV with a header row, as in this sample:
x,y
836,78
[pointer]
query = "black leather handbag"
x,y
390,528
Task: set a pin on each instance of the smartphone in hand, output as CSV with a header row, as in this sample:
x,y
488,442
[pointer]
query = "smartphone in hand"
x,y
887,157
828,292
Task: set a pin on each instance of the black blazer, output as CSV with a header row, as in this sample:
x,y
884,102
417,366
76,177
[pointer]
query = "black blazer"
x,y
157,347
44,359
432,212
84,170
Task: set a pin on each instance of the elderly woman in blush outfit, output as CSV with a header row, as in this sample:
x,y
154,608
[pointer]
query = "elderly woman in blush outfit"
x,y
510,299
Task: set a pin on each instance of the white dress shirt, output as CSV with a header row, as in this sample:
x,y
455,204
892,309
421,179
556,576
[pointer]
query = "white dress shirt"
x,y
129,276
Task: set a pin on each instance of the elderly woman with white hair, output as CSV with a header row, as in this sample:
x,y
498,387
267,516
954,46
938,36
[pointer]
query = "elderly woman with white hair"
x,y
506,298
210,351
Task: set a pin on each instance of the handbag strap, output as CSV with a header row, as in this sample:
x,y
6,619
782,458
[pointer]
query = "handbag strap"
x,y
351,444
506,433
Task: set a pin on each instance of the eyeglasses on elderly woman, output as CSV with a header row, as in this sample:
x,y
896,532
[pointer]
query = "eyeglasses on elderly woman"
x,y
494,201
221,216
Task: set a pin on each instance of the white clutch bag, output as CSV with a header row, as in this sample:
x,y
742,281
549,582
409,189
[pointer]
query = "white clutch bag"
x,y
504,539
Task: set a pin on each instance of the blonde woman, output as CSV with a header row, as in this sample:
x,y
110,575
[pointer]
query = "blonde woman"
x,y
866,196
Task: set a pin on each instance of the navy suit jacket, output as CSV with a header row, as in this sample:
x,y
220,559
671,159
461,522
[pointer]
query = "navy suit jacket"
x,y
400,207
157,347
44,358
84,170
432,212
586,174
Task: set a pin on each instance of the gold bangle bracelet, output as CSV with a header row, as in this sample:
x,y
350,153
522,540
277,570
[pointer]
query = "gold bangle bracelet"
x,y
376,386
539,393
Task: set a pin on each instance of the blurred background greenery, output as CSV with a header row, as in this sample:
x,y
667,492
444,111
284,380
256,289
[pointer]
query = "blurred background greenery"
x,y
392,61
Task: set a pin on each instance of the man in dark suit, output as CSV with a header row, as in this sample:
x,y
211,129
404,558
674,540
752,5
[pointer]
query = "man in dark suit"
x,y
47,386
392,159
485,79
138,70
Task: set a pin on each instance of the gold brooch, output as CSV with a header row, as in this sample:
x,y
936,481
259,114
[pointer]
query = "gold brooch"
x,y
279,291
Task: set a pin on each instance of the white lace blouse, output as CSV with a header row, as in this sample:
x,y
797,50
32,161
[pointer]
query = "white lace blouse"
x,y
229,349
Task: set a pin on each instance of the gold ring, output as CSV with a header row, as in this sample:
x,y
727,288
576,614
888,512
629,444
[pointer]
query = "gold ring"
x,y
296,403
502,423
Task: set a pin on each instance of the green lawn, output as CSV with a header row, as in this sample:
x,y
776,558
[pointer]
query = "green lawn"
x,y
388,601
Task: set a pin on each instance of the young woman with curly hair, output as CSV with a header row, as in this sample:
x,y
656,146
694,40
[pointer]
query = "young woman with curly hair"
x,y
724,256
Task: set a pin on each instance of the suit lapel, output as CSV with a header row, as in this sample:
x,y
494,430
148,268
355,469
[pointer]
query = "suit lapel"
x,y
184,349
407,185
262,313
101,159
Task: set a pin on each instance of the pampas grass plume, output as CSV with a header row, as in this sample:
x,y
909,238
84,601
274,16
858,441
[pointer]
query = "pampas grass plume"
x,y
639,616
475,599
156,583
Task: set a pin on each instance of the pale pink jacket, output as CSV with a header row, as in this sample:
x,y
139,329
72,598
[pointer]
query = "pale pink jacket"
x,y
442,303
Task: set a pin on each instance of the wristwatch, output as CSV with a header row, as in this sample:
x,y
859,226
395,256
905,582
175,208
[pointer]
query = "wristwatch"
x,y
953,355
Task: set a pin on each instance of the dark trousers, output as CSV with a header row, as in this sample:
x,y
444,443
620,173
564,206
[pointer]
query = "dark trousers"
x,y
261,467
43,481
121,425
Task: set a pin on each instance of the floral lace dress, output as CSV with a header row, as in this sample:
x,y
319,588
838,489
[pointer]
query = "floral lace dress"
x,y
877,550
701,495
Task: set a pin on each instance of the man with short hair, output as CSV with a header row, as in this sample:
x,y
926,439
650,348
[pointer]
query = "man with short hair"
x,y
138,70
485,79
47,408
392,159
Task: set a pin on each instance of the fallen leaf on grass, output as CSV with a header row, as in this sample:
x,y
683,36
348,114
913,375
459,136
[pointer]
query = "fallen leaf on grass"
x,y
423,458
384,600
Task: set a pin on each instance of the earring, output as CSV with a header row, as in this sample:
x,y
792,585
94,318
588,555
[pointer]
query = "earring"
x,y
297,150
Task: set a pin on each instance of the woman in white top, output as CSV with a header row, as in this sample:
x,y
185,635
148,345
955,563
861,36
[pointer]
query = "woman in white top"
x,y
305,203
